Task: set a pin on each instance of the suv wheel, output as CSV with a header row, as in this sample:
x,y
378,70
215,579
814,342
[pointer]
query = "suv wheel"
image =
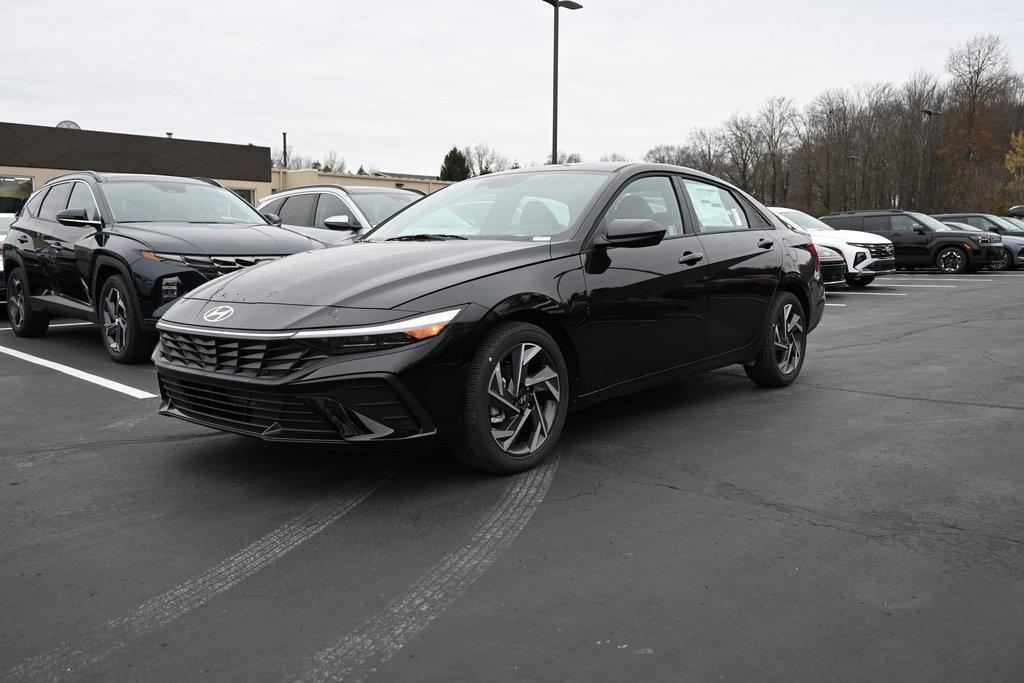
x,y
859,282
782,348
951,260
120,322
1003,262
516,400
24,321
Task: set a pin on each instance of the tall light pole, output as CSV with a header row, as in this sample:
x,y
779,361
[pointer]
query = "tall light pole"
x,y
922,184
557,4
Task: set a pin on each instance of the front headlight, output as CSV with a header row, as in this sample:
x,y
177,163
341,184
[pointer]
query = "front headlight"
x,y
154,256
385,336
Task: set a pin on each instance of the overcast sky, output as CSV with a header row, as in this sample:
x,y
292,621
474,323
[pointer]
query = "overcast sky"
x,y
393,84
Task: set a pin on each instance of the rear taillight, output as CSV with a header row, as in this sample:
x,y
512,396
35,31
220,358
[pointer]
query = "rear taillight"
x,y
814,254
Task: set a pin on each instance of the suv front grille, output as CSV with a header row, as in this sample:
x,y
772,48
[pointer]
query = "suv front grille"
x,y
880,250
215,266
240,357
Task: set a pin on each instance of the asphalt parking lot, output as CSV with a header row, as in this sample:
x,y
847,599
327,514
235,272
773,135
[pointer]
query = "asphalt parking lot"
x,y
867,521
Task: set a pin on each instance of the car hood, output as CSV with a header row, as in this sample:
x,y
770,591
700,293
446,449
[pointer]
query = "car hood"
x,y
371,274
216,239
1013,241
847,236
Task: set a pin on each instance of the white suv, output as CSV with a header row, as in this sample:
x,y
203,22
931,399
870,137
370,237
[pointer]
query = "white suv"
x,y
867,256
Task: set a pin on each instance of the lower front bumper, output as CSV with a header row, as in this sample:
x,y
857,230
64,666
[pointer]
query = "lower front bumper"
x,y
356,410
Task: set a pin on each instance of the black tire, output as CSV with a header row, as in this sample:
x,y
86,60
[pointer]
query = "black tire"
x,y
1005,264
538,409
24,321
774,367
121,322
951,260
858,282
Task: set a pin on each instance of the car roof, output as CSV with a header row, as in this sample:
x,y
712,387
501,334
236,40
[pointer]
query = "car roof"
x,y
117,177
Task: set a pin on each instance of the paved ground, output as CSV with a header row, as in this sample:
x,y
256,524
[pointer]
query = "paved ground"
x,y
866,522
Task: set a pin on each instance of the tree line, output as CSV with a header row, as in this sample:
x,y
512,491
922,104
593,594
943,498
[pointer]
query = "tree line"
x,y
927,144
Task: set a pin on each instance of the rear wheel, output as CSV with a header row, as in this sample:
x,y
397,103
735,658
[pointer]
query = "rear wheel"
x,y
24,321
782,348
859,282
121,322
951,260
516,400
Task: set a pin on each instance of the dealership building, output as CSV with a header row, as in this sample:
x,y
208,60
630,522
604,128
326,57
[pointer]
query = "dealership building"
x,y
32,155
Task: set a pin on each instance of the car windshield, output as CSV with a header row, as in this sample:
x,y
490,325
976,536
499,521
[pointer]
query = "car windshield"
x,y
540,205
929,221
1018,224
803,220
1005,223
377,206
170,201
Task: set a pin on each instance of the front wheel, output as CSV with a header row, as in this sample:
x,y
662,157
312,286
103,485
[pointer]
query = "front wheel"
x,y
1002,262
24,321
516,400
951,260
121,322
858,282
782,348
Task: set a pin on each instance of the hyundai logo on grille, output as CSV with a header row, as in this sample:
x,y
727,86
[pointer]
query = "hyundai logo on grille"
x,y
216,315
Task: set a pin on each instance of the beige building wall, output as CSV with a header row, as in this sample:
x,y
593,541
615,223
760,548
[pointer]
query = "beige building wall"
x,y
281,179
249,189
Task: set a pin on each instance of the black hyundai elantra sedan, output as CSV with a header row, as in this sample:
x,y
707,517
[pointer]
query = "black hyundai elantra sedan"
x,y
481,314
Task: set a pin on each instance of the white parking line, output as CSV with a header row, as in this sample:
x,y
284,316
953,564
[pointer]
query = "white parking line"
x,y
933,279
927,286
78,374
835,305
847,293
8,329
367,647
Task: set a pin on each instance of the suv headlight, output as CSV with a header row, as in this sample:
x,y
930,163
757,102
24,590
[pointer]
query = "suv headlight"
x,y
387,335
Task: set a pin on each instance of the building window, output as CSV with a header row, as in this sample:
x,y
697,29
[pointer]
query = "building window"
x,y
14,192
247,195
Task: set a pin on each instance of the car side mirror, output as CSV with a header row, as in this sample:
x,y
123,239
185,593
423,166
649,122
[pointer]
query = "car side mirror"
x,y
634,232
341,222
920,230
272,218
78,218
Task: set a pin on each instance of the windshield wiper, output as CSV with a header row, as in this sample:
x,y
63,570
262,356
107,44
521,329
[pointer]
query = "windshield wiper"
x,y
440,237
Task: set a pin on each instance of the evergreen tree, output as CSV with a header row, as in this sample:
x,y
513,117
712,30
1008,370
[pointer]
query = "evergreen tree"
x,y
455,166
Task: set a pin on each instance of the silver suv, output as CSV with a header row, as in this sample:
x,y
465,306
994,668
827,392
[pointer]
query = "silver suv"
x,y
335,214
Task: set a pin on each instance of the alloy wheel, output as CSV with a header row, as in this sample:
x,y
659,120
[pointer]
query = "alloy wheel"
x,y
950,261
16,303
115,320
789,336
1001,263
524,392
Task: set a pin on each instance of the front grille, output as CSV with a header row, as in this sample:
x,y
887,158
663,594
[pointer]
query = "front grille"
x,y
239,357
215,266
259,413
880,250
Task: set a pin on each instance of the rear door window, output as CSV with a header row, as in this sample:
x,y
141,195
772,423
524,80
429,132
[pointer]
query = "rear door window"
x,y
298,210
717,210
55,202
877,224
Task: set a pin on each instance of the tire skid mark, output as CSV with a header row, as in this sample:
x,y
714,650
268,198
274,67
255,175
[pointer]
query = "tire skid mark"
x,y
113,636
362,651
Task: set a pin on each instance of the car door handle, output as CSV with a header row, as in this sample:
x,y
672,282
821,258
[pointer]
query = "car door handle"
x,y
765,243
690,258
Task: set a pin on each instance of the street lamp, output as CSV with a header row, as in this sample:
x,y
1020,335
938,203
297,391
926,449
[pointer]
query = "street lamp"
x,y
557,4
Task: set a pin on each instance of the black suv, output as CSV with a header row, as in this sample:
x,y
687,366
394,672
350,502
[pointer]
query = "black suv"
x,y
921,241
117,249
